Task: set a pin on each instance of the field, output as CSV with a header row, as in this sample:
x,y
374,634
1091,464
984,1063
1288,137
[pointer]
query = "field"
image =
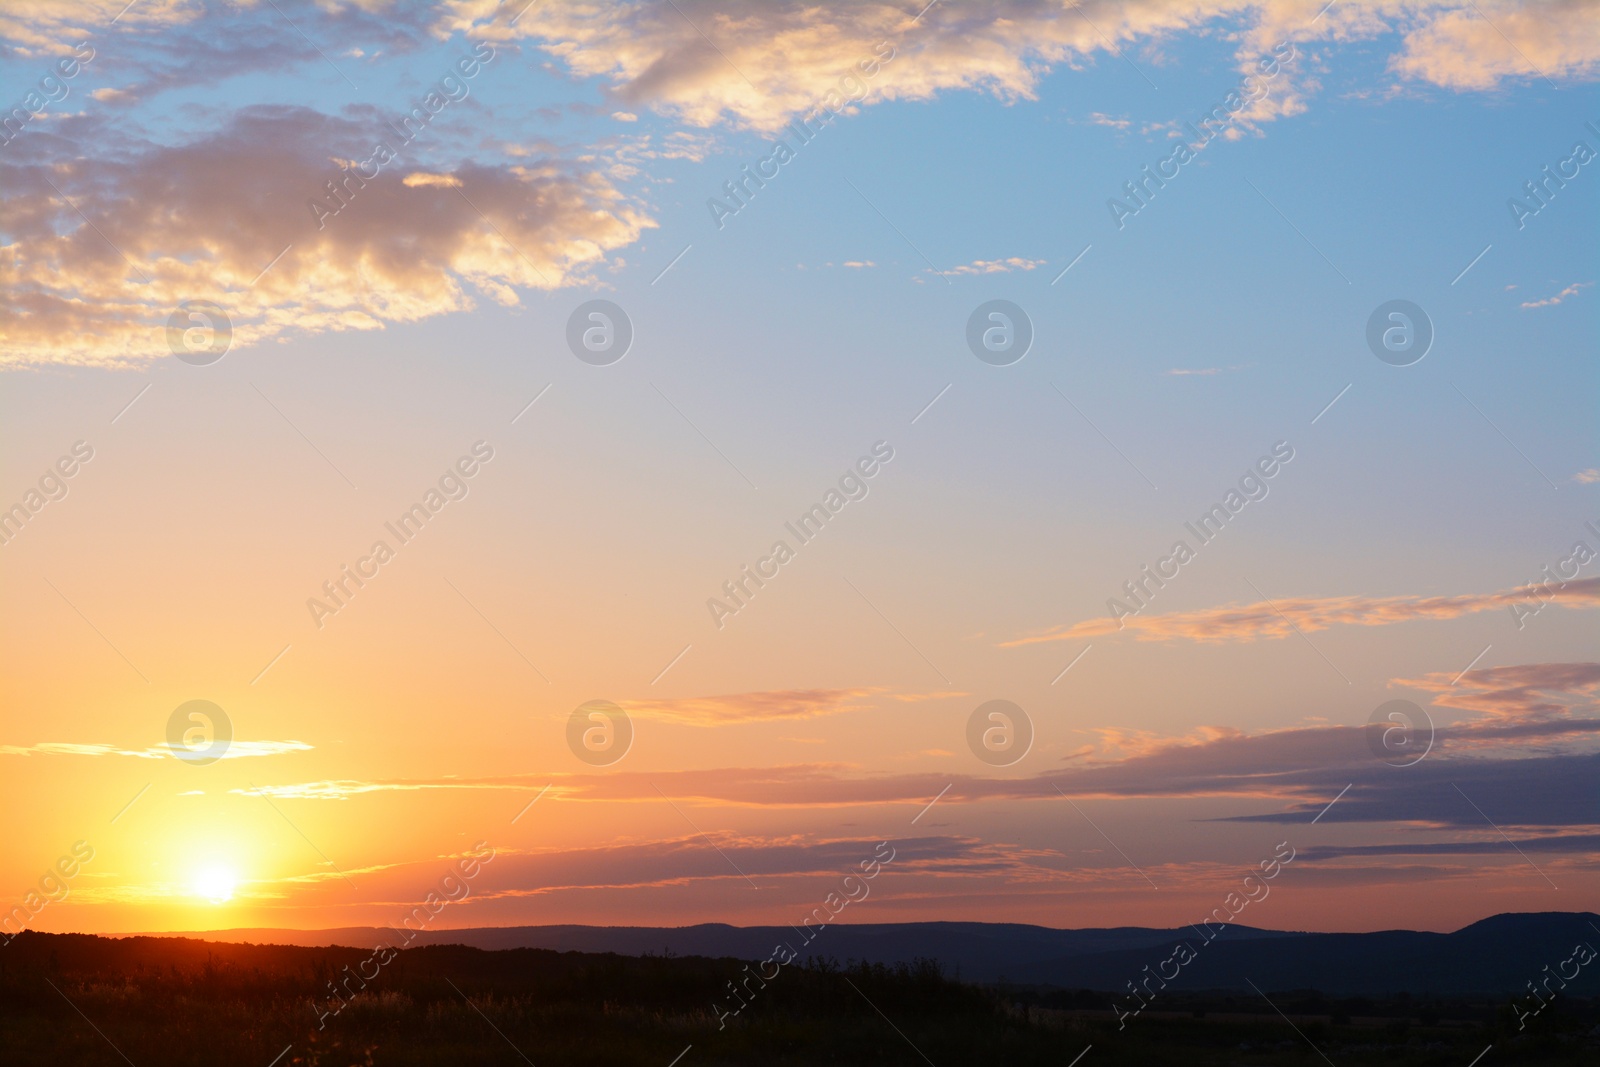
x,y
77,999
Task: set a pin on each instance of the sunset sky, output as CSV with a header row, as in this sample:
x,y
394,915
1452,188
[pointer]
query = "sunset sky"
x,y
416,341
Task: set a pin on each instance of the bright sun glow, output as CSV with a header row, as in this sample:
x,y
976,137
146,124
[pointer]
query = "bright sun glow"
x,y
214,883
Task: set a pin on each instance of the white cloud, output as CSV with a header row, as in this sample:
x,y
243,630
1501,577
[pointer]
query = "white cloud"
x,y
411,243
996,266
1552,301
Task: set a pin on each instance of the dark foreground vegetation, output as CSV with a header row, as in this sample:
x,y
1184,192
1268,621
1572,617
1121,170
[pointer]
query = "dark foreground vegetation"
x,y
82,1000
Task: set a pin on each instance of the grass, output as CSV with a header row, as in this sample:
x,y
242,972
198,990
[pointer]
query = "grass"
x,y
82,1000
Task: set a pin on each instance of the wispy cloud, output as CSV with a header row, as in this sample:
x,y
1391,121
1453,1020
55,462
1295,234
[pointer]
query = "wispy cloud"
x,y
1204,372
1552,301
1490,844
754,707
1280,618
1296,770
1529,754
996,266
235,750
1528,693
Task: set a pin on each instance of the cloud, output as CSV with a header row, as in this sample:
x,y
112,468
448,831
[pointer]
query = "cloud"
x,y
759,63
1583,844
752,707
1203,372
996,266
422,179
68,748
1587,477
154,45
685,859
235,750
1552,301
787,867
197,216
1300,769
1480,45
1281,618
1522,759
1459,794
32,25
1526,693
99,254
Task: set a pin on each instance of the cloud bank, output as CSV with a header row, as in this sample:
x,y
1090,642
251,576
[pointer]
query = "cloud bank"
x,y
101,250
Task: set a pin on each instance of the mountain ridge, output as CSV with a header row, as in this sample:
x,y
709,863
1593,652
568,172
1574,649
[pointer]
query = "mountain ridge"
x,y
1496,955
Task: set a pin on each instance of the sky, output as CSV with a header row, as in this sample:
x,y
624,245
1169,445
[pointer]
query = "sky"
x,y
927,336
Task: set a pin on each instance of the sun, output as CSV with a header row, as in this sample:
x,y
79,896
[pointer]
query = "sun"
x,y
215,883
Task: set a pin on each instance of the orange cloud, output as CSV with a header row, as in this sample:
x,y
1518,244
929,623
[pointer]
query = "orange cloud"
x,y
41,24
1300,769
1529,731
235,749
1529,691
752,707
1280,618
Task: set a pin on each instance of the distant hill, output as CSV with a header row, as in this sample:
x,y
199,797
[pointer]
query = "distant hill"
x,y
1496,956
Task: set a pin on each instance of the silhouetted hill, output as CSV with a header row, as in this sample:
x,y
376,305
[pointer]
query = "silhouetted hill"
x,y
981,952
1494,956
93,1001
